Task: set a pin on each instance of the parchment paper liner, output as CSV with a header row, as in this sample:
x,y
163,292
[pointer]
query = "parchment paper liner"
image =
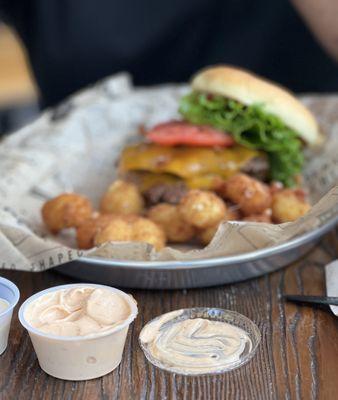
x,y
74,148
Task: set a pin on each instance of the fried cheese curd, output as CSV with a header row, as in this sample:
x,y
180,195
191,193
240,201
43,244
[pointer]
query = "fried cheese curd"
x,y
122,198
205,236
86,232
131,228
167,216
202,208
145,230
288,205
251,195
68,210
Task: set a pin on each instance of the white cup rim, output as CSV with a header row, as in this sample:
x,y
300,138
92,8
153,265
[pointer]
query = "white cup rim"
x,y
12,286
132,303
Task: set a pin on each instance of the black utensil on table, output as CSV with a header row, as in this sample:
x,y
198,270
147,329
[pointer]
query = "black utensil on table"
x,y
318,300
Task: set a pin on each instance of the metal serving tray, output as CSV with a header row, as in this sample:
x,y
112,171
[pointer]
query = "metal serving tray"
x,y
197,273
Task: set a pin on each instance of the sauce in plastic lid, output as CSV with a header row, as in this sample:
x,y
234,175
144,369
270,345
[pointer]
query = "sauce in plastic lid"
x,y
199,341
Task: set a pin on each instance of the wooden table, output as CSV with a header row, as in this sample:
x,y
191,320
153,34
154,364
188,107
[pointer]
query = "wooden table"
x,y
297,358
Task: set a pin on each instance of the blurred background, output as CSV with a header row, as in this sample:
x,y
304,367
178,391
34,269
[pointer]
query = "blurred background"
x,y
18,91
67,45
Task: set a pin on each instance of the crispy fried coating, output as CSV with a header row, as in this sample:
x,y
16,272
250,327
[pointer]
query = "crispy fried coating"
x,y
288,205
117,230
131,228
201,208
205,236
89,228
67,210
167,216
252,196
148,231
122,198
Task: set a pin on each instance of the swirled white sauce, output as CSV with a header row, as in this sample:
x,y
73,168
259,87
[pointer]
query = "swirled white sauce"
x,y
193,346
78,311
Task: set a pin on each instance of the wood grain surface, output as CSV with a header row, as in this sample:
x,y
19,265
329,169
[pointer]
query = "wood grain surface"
x,y
297,358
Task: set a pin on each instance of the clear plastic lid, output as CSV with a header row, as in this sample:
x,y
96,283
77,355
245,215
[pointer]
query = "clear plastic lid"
x,y
199,341
10,294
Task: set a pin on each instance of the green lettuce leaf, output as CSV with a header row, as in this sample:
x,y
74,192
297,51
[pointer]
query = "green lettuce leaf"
x,y
252,127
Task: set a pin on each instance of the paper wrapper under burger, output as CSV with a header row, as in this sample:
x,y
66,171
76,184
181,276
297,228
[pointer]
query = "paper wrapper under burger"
x,y
74,148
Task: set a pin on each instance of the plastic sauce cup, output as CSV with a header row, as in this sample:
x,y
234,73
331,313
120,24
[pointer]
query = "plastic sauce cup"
x,y
10,293
79,357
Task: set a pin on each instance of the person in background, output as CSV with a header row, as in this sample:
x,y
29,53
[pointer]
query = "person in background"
x,y
72,43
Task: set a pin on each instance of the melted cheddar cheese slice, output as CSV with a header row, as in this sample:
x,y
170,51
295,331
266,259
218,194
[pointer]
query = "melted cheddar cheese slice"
x,y
188,163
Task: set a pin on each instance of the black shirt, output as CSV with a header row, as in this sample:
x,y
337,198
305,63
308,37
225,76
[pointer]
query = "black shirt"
x,y
73,43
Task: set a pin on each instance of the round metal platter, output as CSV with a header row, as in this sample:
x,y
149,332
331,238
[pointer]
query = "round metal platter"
x,y
197,273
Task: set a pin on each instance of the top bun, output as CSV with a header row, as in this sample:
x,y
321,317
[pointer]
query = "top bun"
x,y
248,89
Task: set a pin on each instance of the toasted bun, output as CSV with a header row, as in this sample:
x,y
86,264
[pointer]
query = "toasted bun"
x,y
248,89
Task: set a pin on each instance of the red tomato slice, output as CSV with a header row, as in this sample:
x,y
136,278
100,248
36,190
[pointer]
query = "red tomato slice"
x,y
176,133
